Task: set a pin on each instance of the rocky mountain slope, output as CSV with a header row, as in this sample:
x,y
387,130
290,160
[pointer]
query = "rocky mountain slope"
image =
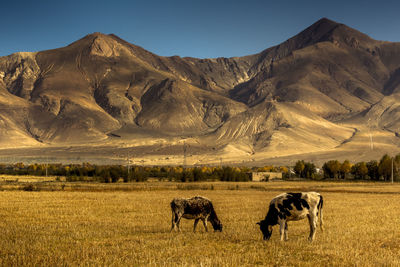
x,y
314,93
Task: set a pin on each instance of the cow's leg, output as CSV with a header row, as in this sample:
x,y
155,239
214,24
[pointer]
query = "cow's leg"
x,y
313,225
321,223
178,218
282,228
173,221
205,223
195,224
319,210
286,231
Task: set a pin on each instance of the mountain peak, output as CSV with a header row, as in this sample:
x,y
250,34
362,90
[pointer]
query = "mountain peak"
x,y
96,35
338,33
88,39
99,44
326,30
320,31
326,21
317,32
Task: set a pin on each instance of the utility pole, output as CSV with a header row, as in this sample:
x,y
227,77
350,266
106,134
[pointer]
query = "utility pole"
x,y
392,171
128,163
371,143
184,154
47,159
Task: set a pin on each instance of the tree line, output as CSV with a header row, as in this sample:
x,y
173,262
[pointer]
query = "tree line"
x,y
114,173
333,169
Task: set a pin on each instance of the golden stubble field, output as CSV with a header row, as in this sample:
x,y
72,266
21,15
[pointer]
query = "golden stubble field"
x,y
131,227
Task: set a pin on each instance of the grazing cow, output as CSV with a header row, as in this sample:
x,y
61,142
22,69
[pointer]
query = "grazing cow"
x,y
197,208
292,207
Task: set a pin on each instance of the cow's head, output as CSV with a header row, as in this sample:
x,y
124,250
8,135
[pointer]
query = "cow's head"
x,y
217,226
266,229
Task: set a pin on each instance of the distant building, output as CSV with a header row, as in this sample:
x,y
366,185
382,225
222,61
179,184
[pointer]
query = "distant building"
x,y
265,176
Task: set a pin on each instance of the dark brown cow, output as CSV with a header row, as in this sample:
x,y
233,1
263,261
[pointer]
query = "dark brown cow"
x,y
197,208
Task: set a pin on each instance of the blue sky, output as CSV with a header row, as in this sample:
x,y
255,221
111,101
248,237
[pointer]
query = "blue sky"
x,y
202,29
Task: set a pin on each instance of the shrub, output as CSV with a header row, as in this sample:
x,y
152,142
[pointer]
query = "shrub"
x,y
30,187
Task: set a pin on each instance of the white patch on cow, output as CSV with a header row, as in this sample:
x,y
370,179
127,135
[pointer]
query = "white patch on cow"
x,y
280,203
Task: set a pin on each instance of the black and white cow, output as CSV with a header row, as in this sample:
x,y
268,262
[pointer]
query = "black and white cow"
x,y
292,207
197,208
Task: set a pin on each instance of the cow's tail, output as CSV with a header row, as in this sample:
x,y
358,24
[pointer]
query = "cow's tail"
x,y
320,205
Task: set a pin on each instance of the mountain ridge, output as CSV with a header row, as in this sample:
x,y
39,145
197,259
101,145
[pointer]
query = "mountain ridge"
x,y
305,95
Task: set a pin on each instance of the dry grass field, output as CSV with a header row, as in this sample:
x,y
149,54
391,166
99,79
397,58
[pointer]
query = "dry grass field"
x,y
128,225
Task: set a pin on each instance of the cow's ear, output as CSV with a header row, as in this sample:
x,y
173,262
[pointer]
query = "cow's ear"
x,y
259,223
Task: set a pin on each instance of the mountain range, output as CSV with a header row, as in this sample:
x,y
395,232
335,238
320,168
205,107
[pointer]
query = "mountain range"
x,y
330,92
